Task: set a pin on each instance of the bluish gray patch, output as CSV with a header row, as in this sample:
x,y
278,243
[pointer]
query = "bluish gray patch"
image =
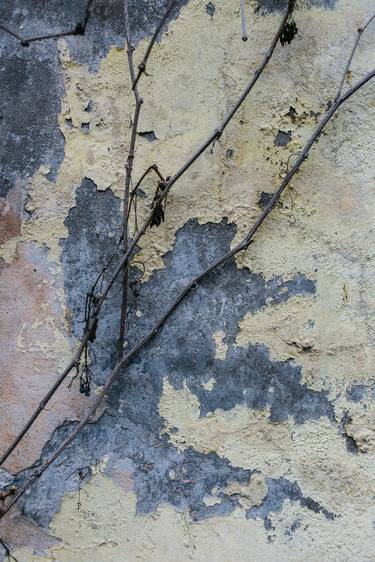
x,y
350,442
279,490
210,9
293,527
358,392
183,350
162,474
85,127
105,26
149,135
94,228
30,92
277,5
283,138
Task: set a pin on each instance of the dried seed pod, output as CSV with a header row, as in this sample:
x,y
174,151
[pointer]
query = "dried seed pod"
x,y
289,32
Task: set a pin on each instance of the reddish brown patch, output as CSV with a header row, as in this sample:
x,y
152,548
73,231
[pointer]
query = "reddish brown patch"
x,y
10,215
122,474
17,531
30,358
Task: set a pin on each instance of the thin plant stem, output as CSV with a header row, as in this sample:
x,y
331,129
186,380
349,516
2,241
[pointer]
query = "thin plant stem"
x,y
360,32
142,66
128,179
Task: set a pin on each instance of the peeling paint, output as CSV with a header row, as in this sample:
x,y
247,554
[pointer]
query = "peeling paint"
x,y
246,428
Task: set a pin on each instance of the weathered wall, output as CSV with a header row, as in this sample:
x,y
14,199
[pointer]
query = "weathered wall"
x,y
246,429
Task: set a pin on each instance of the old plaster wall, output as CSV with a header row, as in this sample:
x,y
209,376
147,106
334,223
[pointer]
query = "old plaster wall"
x,y
246,429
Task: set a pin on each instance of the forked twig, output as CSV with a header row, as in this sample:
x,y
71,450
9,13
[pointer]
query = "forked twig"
x,y
143,64
360,32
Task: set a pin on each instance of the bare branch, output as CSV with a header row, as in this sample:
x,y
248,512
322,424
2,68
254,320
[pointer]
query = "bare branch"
x,y
242,245
360,32
163,194
243,20
128,178
143,64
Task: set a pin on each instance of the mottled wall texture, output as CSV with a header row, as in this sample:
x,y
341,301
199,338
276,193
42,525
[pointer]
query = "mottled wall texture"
x,y
245,431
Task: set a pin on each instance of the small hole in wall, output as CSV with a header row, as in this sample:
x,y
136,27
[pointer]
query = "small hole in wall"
x,y
264,199
283,138
85,127
292,114
149,135
210,9
69,122
89,107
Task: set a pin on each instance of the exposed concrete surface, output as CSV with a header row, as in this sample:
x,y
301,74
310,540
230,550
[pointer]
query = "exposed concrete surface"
x,y
245,429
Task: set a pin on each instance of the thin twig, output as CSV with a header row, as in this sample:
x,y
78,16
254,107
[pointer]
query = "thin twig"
x,y
152,168
79,29
134,193
128,179
12,33
143,64
360,32
167,186
243,20
240,246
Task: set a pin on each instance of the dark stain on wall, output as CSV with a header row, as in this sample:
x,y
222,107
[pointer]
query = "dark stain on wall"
x,y
282,138
357,392
94,229
279,490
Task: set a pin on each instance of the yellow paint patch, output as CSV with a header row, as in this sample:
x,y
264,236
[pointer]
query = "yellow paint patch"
x,y
313,454
221,347
104,529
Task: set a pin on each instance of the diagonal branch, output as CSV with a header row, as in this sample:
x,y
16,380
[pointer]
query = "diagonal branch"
x,y
143,64
167,186
241,246
360,32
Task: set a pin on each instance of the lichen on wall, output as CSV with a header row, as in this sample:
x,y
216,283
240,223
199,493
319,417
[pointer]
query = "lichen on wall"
x,y
245,429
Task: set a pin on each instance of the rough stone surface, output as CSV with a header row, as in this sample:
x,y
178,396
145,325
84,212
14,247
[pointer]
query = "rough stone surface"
x,y
245,428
